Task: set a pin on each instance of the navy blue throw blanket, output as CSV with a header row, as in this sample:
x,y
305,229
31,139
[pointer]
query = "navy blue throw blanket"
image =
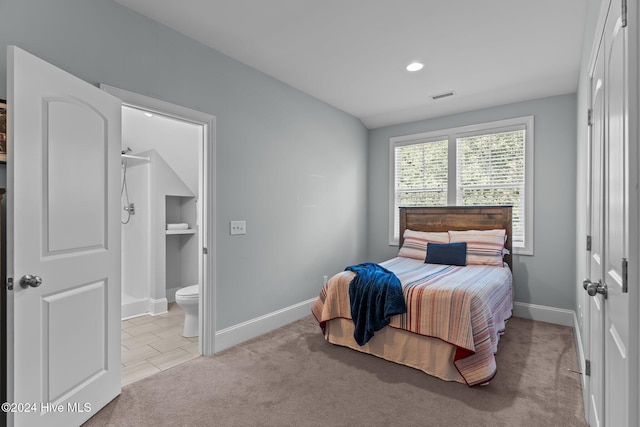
x,y
376,295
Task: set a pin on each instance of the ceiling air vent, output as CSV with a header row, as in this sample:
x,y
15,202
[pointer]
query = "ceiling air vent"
x,y
442,95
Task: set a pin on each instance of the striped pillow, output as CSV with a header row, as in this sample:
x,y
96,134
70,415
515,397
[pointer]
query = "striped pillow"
x,y
415,243
484,247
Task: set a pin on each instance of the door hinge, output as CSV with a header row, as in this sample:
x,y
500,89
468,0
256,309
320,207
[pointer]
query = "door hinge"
x,y
624,13
588,243
625,276
587,367
589,117
205,251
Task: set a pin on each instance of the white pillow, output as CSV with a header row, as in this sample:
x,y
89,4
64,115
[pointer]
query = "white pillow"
x,y
484,247
415,243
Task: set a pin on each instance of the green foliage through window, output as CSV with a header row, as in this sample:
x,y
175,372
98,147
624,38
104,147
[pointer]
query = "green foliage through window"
x,y
421,174
491,172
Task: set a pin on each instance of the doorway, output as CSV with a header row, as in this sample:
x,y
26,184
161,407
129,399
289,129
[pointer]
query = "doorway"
x,y
161,178
174,261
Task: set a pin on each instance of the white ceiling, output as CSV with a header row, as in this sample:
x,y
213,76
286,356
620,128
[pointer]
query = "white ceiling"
x,y
352,54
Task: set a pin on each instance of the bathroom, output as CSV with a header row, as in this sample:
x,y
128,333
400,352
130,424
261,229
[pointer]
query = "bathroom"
x,y
162,175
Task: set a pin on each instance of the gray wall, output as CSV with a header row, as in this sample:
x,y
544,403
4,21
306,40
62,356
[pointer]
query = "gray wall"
x,y
293,167
547,277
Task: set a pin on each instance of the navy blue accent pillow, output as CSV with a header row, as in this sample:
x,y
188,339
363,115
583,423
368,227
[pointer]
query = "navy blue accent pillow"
x,y
447,253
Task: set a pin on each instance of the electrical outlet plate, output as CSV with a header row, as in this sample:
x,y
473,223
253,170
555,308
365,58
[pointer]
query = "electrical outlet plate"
x,y
238,227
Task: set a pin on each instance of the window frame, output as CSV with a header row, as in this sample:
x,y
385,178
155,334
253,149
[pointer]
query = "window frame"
x,y
452,135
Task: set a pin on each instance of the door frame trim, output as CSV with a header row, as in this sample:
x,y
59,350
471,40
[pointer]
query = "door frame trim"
x,y
207,195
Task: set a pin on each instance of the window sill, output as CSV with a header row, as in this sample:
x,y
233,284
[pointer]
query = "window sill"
x,y
522,251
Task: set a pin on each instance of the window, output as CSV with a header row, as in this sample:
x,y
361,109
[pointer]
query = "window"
x,y
486,164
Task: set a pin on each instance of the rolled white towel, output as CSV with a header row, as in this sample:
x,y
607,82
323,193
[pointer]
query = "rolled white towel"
x,y
180,226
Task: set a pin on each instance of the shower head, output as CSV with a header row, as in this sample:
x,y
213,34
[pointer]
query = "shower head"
x,y
127,150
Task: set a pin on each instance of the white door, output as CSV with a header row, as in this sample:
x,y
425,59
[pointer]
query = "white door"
x,y
609,309
595,399
616,189
63,226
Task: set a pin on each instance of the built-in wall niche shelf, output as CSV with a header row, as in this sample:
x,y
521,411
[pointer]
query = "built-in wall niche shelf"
x,y
180,215
187,231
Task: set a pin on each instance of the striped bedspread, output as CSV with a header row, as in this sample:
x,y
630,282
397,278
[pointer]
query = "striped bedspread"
x,y
463,306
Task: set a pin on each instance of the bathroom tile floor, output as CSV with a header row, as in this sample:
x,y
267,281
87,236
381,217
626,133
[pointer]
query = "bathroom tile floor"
x,y
151,344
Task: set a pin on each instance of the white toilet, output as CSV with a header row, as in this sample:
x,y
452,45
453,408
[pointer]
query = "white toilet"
x,y
187,298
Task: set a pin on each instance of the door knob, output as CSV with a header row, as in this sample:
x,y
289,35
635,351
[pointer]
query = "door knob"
x,y
29,280
594,288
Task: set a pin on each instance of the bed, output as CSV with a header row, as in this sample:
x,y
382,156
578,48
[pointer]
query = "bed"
x,y
455,314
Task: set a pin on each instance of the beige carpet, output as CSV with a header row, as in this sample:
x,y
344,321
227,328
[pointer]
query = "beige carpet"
x,y
292,377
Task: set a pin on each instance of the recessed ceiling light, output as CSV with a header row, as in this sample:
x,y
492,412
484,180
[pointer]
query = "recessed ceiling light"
x,y
415,66
148,114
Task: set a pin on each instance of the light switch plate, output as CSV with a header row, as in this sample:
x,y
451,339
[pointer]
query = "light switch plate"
x,y
238,227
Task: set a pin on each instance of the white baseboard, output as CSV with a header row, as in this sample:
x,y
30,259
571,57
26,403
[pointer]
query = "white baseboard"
x,y
171,294
143,307
559,316
244,331
134,309
158,306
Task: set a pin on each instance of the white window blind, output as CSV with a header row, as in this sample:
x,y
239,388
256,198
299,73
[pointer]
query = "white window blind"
x,y
420,176
490,171
484,164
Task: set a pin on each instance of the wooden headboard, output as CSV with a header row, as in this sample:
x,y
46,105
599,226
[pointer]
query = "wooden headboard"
x,y
445,218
